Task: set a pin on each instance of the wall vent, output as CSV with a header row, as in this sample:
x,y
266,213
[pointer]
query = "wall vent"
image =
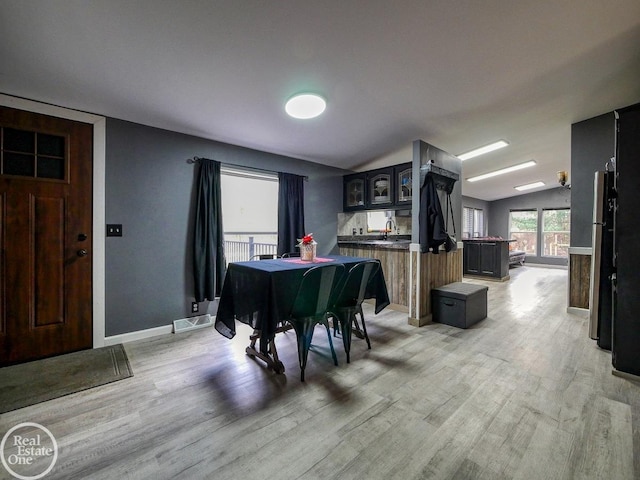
x,y
192,323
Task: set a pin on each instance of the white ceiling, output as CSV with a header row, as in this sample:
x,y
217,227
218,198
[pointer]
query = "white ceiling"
x,y
455,73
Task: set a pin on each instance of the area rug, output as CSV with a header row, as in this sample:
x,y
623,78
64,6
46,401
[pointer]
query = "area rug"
x,y
35,382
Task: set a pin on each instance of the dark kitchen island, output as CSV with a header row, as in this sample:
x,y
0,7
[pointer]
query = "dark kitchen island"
x,y
486,257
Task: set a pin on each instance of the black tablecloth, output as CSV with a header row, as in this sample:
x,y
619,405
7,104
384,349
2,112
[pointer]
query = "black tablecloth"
x,y
261,293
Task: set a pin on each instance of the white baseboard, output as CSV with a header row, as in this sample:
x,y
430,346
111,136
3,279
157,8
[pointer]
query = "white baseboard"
x,y
545,265
139,335
581,312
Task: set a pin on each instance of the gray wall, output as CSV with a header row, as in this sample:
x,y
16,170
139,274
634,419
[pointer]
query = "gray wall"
x,y
150,191
545,199
592,145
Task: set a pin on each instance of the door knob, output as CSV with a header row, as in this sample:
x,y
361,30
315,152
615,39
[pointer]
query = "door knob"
x,y
82,237
82,252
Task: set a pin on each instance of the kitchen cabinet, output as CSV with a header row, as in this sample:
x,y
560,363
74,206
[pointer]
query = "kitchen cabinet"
x,y
383,188
403,175
380,188
354,195
486,258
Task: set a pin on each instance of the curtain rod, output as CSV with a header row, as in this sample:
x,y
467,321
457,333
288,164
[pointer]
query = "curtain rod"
x,y
230,165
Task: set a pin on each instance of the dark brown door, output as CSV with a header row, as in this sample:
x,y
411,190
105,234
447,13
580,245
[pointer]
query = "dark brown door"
x,y
45,236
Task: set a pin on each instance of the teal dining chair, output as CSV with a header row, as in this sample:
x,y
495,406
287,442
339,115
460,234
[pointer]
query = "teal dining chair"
x,y
264,256
310,308
348,302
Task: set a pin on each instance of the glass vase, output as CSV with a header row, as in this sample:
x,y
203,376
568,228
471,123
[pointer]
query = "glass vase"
x,y
308,251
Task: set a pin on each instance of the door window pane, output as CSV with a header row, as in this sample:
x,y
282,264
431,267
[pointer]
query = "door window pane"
x,y
19,141
18,164
50,145
51,168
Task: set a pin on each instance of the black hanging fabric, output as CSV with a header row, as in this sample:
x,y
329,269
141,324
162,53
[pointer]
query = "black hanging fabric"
x,y
209,265
290,211
432,229
451,244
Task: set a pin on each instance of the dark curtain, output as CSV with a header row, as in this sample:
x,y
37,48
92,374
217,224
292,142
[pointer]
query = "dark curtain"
x,y
208,240
432,230
290,211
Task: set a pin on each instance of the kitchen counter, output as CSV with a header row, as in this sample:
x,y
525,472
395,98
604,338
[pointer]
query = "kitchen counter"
x,y
487,239
398,262
395,242
393,254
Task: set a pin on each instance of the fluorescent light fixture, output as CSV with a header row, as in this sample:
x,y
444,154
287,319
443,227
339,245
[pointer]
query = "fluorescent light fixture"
x,y
513,168
482,150
529,186
305,105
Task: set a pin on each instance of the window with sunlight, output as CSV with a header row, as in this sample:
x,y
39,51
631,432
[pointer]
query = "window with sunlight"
x,y
473,222
523,227
249,213
556,226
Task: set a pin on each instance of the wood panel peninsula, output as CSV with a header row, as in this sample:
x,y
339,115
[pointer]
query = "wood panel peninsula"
x,y
411,269
410,275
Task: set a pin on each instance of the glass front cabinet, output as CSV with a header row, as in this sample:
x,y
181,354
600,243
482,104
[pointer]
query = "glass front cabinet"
x,y
380,188
354,192
403,175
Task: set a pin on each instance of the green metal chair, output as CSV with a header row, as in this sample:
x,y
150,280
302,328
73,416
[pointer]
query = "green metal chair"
x,y
310,308
348,302
264,256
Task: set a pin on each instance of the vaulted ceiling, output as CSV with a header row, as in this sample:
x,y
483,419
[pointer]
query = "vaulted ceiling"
x,y
457,74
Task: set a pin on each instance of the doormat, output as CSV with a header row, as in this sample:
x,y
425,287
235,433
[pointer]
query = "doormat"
x,y
41,380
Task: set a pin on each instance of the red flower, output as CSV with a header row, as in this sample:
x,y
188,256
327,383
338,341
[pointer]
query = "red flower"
x,y
306,240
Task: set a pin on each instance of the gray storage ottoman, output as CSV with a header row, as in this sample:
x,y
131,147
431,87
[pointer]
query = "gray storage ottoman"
x,y
459,304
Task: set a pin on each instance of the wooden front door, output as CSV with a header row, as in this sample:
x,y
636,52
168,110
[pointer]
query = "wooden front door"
x,y
45,236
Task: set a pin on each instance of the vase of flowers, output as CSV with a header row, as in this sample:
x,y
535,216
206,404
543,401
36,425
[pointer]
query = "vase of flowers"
x,y
307,247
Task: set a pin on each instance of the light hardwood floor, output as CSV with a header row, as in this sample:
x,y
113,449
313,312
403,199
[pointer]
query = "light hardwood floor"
x,y
524,394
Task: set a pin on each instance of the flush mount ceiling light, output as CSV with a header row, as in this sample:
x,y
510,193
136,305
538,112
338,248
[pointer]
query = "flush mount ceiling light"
x,y
529,186
482,150
305,105
502,171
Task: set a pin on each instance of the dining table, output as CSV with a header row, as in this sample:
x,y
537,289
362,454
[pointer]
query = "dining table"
x,y
261,293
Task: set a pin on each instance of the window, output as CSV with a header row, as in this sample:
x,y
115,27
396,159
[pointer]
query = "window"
x,y
249,213
523,227
473,222
377,221
555,232
33,154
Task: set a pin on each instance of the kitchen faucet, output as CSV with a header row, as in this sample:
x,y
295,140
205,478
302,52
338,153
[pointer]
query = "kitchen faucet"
x,y
388,228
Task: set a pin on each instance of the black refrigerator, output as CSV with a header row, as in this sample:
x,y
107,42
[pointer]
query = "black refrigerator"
x,y
626,260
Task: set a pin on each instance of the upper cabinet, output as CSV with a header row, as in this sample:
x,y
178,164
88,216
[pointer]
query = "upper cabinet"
x,y
389,187
403,175
354,196
380,188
